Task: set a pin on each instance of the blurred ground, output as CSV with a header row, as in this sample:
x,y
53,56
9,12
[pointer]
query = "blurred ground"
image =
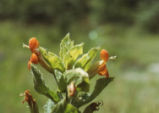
x,y
136,69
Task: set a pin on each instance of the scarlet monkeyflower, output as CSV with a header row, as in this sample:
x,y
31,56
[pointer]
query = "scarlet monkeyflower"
x,y
102,69
33,44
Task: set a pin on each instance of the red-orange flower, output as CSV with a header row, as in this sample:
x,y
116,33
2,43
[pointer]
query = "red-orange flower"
x,y
33,44
104,55
102,69
34,58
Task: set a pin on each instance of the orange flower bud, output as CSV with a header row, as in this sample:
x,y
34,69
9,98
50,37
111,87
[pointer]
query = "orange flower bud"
x,y
34,58
29,64
104,55
71,89
33,44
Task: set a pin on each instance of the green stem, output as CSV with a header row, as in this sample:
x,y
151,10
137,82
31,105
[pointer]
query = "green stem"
x,y
46,66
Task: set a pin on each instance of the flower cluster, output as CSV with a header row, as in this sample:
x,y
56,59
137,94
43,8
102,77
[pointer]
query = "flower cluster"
x,y
33,45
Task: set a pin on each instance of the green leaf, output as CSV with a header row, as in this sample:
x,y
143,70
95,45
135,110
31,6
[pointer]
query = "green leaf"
x,y
79,77
60,106
40,86
49,106
60,81
52,59
64,107
99,87
72,54
65,46
85,61
71,109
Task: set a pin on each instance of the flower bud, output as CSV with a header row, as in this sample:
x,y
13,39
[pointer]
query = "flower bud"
x,y
33,44
104,55
34,58
71,89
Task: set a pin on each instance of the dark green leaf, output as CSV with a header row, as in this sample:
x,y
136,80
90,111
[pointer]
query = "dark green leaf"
x,y
60,106
40,86
99,87
60,81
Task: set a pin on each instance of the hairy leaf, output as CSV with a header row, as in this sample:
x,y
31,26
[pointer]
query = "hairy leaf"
x,y
52,59
60,81
49,106
85,61
65,46
72,55
40,86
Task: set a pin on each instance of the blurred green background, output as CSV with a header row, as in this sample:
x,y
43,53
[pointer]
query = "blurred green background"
x,y
128,29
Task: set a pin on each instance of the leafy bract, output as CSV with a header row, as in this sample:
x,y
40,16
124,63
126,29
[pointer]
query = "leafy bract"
x,y
70,52
40,86
65,46
52,59
72,55
85,61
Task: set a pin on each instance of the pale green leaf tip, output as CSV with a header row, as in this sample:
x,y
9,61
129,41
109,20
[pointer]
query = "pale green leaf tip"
x,y
25,46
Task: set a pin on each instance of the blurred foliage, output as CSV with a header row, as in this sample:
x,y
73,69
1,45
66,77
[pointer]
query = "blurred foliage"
x,y
58,12
67,12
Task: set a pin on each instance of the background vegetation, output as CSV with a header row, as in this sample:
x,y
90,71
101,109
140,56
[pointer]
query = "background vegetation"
x,y
126,28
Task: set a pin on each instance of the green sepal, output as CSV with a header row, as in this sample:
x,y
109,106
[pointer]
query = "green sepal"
x,y
52,59
85,61
40,86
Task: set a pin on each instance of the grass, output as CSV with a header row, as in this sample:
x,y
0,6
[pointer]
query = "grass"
x,y
135,88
